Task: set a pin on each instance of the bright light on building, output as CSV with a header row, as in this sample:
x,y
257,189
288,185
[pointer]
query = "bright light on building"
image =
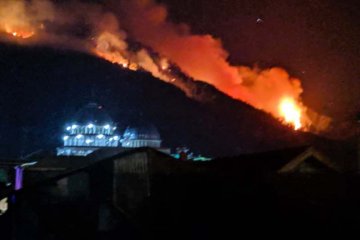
x,y
100,136
116,138
79,136
90,129
3,205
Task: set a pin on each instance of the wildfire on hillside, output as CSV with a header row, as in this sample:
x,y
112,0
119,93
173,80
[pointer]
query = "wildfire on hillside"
x,y
200,57
291,113
20,32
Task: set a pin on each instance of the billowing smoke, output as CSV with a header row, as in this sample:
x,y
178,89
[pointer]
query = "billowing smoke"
x,y
109,31
25,18
201,57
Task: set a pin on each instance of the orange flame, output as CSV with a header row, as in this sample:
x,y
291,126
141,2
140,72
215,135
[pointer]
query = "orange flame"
x,y
20,32
113,58
290,111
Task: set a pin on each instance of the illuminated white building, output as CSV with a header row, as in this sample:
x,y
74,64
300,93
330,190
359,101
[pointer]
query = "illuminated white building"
x,y
91,129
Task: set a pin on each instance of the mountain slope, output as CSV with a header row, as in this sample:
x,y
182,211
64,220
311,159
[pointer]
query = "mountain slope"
x,y
42,88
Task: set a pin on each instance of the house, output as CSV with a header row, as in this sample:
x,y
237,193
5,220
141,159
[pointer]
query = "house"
x,y
143,193
97,194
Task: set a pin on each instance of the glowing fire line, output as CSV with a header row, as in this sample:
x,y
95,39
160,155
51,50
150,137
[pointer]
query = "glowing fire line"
x,y
20,33
290,112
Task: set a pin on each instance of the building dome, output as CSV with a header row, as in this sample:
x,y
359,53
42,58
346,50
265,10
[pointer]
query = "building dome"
x,y
141,135
93,113
148,132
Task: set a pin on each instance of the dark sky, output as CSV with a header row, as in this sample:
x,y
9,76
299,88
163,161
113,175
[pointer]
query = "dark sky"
x,y
315,40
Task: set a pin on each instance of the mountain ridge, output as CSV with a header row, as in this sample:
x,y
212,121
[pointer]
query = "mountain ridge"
x,y
47,86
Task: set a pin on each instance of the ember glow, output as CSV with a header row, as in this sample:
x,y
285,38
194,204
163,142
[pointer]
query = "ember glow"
x,y
290,112
152,43
20,32
21,19
111,48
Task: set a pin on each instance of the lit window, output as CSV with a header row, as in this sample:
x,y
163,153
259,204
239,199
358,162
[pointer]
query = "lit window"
x,y
79,136
100,136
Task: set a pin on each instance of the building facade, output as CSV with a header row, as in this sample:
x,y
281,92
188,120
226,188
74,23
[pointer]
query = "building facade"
x,y
91,129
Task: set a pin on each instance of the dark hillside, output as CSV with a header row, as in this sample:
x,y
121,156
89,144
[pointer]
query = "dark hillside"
x,y
44,87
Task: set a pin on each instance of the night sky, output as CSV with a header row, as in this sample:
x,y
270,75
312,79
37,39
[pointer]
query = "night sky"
x,y
315,40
